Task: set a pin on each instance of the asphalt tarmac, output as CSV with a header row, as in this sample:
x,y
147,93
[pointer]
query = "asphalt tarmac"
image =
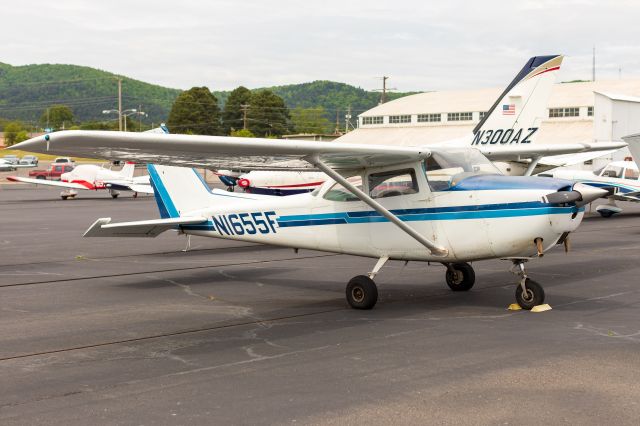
x,y
138,332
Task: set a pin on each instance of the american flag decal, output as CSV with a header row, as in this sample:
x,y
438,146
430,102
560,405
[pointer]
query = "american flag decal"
x,y
509,109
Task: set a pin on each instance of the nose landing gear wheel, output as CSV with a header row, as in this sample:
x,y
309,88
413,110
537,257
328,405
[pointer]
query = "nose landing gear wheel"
x,y
533,296
460,276
362,292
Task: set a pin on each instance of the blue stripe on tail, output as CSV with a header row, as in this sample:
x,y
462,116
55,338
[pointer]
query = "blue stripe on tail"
x,y
165,204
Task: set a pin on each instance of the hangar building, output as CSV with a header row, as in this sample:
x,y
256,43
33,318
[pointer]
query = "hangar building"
x,y
600,111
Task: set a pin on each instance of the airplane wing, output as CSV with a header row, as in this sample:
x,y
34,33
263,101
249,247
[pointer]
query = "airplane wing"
x,y
570,159
47,182
125,185
515,153
143,228
629,196
217,152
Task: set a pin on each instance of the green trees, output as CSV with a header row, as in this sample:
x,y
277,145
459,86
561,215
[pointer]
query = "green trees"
x,y
196,112
233,115
310,120
267,114
57,117
14,132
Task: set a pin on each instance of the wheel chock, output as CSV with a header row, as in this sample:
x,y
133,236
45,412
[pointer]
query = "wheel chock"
x,y
514,307
541,308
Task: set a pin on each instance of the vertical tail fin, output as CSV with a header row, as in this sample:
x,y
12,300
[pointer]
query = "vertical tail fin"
x,y
634,146
178,190
518,111
128,170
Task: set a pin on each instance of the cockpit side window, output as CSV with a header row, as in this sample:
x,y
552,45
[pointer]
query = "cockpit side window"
x,y
393,183
340,193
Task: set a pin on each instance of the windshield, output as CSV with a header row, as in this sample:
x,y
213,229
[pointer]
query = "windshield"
x,y
445,169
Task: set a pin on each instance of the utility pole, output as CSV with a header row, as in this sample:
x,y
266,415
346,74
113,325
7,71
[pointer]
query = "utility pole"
x,y
244,109
337,130
347,120
383,99
593,65
120,104
385,89
140,118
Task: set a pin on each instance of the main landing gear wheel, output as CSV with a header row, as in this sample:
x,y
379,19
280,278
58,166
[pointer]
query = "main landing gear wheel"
x,y
460,276
362,292
532,296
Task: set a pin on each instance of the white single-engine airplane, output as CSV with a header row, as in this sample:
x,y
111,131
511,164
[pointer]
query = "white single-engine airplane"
x,y
445,205
92,177
513,120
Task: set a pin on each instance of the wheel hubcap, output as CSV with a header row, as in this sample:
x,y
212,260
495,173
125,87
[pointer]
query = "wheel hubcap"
x,y
358,294
527,296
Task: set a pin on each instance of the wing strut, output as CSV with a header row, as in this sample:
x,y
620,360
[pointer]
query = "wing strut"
x,y
532,165
433,248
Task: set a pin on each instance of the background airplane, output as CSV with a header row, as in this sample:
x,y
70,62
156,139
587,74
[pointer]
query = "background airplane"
x,y
525,99
444,205
92,177
619,178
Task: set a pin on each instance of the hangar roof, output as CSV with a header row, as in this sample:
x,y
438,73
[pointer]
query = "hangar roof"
x,y
563,95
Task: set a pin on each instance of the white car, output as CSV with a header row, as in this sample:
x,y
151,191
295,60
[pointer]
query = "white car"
x,y
13,159
65,160
29,160
6,166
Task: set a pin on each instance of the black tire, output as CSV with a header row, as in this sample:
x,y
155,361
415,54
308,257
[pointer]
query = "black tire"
x,y
231,188
114,195
362,292
64,197
41,177
460,277
606,213
534,296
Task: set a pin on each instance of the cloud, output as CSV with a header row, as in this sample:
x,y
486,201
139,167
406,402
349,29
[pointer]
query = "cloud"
x,y
223,44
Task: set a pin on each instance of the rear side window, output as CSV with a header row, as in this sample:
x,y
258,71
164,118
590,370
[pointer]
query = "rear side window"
x,y
393,183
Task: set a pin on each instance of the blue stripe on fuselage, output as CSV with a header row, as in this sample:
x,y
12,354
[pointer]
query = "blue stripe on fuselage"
x,y
486,211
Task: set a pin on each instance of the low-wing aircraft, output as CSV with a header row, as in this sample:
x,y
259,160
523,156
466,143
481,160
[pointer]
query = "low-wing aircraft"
x,y
92,177
619,178
512,121
445,205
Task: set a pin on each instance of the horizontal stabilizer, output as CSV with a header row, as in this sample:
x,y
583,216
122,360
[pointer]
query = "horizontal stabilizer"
x,y
143,228
533,151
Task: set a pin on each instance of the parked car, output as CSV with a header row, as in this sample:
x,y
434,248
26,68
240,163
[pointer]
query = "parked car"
x,y
54,173
6,166
29,160
11,158
65,160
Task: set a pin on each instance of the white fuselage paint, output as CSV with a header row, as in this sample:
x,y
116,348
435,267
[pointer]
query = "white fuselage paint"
x,y
503,233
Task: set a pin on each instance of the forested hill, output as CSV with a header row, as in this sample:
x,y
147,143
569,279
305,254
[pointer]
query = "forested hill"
x,y
330,95
26,91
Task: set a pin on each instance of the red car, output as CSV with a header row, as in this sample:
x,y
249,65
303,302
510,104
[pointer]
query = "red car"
x,y
54,172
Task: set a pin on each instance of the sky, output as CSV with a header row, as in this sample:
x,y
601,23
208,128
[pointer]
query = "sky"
x,y
421,45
